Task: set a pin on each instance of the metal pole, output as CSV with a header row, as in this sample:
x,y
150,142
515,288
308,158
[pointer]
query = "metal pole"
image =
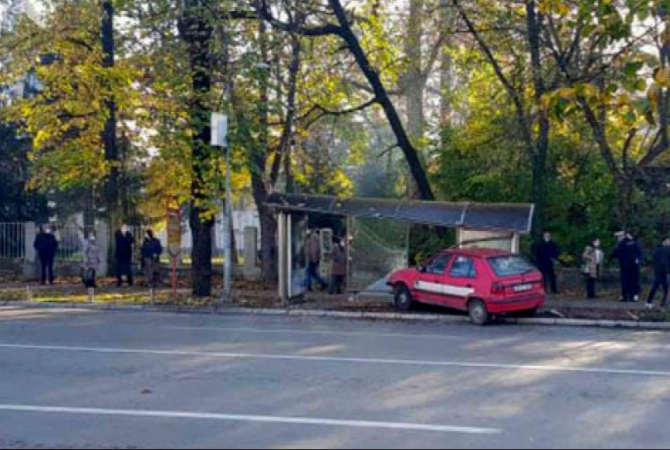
x,y
227,244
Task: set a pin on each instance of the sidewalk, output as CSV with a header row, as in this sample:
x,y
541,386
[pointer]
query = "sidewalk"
x,y
566,307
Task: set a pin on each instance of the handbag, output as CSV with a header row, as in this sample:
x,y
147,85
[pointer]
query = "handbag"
x,y
87,276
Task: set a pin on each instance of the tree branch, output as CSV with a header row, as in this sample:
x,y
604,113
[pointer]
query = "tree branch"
x,y
324,112
263,10
388,150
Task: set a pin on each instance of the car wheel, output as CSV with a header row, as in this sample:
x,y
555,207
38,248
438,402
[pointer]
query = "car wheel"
x,y
403,298
479,313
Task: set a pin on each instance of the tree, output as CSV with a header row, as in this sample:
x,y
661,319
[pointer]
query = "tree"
x,y
196,30
16,203
70,116
526,92
114,199
615,62
342,29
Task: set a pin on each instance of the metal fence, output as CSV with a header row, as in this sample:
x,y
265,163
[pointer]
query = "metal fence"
x,y
72,237
12,240
71,240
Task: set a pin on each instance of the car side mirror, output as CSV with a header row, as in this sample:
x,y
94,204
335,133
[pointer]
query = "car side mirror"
x,y
422,269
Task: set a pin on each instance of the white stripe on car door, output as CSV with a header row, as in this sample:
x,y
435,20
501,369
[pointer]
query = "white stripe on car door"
x,y
444,289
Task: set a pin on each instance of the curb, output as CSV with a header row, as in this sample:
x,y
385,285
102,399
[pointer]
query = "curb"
x,y
425,318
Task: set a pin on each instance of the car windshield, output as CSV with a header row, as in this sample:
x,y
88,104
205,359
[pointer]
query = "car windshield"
x,y
510,266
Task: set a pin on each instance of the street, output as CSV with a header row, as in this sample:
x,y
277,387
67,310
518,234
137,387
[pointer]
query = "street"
x,y
78,379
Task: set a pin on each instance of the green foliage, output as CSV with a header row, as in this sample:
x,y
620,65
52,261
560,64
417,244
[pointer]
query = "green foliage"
x,y
65,117
477,155
15,203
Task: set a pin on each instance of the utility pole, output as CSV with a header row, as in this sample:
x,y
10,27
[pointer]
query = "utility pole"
x,y
220,139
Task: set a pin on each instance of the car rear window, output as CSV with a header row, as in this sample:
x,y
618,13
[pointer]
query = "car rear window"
x,y
510,266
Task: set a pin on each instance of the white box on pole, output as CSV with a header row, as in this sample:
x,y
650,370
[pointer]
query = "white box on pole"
x,y
219,130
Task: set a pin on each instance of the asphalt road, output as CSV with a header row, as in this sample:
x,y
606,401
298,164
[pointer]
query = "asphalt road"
x,y
102,380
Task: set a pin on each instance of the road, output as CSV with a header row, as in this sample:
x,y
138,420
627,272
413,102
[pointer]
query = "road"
x,y
75,379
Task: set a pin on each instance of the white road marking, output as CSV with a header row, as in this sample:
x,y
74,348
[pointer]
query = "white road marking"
x,y
318,333
498,337
248,418
286,331
333,359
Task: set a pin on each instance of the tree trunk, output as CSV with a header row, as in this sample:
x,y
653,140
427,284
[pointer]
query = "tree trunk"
x,y
258,159
414,84
109,134
201,254
269,263
110,130
538,193
446,67
382,96
626,190
540,148
196,31
286,143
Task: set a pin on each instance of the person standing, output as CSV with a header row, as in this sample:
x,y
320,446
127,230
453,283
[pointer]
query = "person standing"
x,y
46,247
546,255
313,253
591,267
339,268
661,272
629,254
90,265
151,253
125,242
616,254
636,276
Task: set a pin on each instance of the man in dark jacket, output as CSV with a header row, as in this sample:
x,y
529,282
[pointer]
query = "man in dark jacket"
x,y
661,271
152,249
546,255
46,247
629,254
125,242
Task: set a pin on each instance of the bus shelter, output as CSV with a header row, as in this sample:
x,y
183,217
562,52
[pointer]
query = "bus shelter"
x,y
377,233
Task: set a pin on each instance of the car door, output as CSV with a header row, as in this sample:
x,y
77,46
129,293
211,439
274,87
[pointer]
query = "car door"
x,y
429,284
459,283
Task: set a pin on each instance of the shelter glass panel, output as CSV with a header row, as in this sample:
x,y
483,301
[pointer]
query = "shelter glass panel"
x,y
379,247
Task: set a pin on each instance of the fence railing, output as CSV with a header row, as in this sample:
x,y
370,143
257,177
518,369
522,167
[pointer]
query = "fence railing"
x,y
16,241
12,240
71,239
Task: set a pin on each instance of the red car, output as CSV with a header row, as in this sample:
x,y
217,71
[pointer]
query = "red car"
x,y
481,282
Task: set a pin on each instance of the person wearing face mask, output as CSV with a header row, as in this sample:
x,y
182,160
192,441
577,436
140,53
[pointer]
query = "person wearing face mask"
x,y
91,265
546,255
125,242
591,257
46,247
339,268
